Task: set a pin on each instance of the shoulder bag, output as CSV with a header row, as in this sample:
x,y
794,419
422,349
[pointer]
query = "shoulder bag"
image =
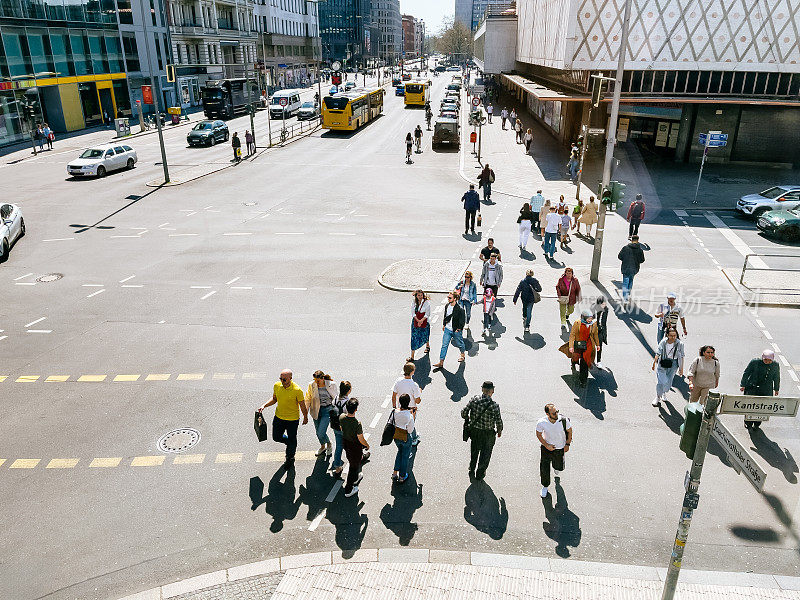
x,y
667,362
580,346
388,431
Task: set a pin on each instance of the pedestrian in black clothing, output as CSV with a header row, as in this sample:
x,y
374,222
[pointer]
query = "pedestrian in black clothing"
x,y
236,144
472,204
482,422
631,257
762,377
354,445
529,289
600,310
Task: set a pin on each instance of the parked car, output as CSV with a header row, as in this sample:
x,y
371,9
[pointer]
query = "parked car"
x,y
208,133
448,113
446,131
782,197
454,86
349,85
333,90
308,110
449,106
454,68
99,160
783,224
12,227
400,90
440,68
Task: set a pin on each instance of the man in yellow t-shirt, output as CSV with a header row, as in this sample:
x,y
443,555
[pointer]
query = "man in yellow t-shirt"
x,y
289,398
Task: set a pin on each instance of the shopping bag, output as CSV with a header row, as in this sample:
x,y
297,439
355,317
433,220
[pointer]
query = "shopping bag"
x,y
480,220
388,431
260,425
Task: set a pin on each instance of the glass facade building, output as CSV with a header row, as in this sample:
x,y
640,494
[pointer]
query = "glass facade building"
x,y
347,32
61,62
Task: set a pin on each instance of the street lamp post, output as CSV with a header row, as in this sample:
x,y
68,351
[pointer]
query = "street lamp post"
x,y
156,93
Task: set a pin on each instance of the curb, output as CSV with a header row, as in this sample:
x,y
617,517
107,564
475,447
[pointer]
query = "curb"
x,y
455,557
401,289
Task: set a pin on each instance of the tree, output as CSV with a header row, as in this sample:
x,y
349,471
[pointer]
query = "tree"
x,y
455,39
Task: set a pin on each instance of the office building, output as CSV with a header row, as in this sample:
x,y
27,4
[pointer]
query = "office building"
x,y
67,76
386,17
413,36
347,32
471,12
463,12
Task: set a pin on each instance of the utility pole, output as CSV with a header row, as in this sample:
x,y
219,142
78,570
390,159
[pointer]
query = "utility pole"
x,y
611,140
691,497
250,108
156,92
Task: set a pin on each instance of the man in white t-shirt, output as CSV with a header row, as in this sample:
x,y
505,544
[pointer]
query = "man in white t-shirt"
x,y
406,385
552,223
555,435
668,315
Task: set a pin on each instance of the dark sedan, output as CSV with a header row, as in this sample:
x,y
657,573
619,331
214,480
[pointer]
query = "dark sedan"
x,y
208,133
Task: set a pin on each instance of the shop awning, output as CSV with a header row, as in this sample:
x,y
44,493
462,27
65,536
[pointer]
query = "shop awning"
x,y
541,92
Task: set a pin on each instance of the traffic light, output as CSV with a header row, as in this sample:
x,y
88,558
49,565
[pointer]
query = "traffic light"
x,y
597,92
690,429
605,194
617,191
336,78
171,73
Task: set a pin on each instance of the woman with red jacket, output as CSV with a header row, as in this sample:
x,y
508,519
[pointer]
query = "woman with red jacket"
x,y
568,291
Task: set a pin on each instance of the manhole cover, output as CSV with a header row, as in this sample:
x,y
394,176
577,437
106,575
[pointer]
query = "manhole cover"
x,y
49,277
249,203
179,440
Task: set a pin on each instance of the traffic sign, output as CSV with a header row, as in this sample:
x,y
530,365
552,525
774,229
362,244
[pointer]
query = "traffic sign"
x,y
336,65
476,101
596,130
739,455
713,139
283,101
770,406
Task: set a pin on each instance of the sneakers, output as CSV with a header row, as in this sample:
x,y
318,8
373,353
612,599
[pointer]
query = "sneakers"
x,y
543,493
657,401
352,492
527,329
416,440
485,332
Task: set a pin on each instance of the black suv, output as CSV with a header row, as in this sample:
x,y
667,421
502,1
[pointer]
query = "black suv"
x,y
207,133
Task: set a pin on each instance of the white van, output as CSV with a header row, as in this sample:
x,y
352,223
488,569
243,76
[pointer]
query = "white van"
x,y
292,103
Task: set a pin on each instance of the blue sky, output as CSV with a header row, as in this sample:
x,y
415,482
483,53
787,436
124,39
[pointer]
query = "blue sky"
x,y
431,11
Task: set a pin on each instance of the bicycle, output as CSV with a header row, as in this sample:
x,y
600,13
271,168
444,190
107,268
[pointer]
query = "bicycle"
x,y
408,153
284,135
418,144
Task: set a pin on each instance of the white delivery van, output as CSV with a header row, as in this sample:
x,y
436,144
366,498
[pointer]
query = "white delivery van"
x,y
292,103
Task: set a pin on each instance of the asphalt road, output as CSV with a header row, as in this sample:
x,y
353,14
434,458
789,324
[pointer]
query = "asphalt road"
x,y
178,307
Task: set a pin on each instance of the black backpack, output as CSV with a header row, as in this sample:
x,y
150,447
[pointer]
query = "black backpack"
x,y
636,213
335,412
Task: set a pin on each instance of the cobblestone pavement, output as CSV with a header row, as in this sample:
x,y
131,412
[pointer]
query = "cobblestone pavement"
x,y
255,588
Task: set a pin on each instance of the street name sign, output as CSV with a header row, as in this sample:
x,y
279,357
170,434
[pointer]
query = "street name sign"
x,y
770,406
739,455
596,130
713,139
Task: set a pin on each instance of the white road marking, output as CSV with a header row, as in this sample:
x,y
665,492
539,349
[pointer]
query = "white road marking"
x,y
336,487
207,207
366,436
2,337
39,320
138,228
241,287
375,420
395,234
681,213
291,288
160,322
93,285
191,212
289,233
95,293
130,285
238,233
162,225
793,375
181,234
264,216
209,294
737,242
317,520
40,331
24,283
127,279
357,290
339,233
760,323
767,334
23,276
775,347
200,287
784,361
332,214
59,239
234,280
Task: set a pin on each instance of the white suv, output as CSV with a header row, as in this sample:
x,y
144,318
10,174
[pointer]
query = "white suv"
x,y
779,197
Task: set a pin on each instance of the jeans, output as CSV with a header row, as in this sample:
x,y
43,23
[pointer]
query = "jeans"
x,y
337,451
487,191
524,233
481,444
469,220
403,456
321,424
556,457
448,336
467,306
627,284
664,378
285,432
550,242
527,314
633,228
565,310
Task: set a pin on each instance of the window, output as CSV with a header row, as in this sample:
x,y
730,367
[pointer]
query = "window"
x,y
131,51
80,53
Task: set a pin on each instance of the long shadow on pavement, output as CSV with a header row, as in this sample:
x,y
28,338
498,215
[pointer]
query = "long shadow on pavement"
x,y
562,525
592,396
422,374
280,501
350,524
777,457
316,488
484,511
456,383
407,498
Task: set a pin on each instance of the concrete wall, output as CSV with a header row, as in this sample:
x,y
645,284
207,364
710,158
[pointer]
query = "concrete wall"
x,y
496,43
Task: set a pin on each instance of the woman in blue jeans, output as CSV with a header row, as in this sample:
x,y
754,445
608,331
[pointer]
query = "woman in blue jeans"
x,y
338,404
667,361
468,295
320,396
404,425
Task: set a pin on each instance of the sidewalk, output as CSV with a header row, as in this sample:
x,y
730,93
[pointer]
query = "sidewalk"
x,y
423,573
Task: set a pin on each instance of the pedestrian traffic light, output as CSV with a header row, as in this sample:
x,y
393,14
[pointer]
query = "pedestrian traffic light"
x,y
605,194
336,78
597,92
617,191
690,429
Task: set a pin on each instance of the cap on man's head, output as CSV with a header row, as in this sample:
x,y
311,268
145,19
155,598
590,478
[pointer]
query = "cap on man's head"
x,y
768,354
638,196
488,385
671,295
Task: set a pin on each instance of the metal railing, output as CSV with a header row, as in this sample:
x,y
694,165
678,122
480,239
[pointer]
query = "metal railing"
x,y
763,266
280,136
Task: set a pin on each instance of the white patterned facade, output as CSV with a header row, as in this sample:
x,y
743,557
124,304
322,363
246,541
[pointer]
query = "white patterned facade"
x,y
719,35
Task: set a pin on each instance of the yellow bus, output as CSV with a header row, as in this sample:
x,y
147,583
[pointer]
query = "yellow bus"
x,y
347,111
418,92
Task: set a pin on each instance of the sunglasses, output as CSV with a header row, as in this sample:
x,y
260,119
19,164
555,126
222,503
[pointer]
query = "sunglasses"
x,y
284,379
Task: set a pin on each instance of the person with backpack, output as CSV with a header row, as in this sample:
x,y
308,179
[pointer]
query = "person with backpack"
x,y
667,361
668,314
336,410
554,433
635,216
403,428
529,289
483,424
485,181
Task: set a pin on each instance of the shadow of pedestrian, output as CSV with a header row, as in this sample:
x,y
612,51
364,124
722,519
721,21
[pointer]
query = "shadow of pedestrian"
x,y
484,511
775,456
280,500
472,237
672,417
316,489
456,383
350,525
497,329
407,498
589,397
562,525
526,254
534,340
422,374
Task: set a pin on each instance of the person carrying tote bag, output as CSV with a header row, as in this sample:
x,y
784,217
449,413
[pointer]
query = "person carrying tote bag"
x,y
403,426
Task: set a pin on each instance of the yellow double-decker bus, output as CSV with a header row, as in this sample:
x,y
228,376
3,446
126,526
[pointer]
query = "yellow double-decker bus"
x,y
418,92
347,111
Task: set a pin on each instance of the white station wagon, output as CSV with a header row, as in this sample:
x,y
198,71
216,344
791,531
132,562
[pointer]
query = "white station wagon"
x,y
99,160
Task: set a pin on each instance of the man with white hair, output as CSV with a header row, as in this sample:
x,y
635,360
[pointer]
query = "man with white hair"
x,y
762,377
668,314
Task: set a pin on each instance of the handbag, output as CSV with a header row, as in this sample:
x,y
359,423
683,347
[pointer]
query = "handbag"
x,y
667,362
563,299
580,345
260,425
491,176
400,434
388,431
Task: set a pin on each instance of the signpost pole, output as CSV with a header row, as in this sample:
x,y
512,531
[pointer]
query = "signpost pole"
x,y
702,164
480,125
250,108
691,496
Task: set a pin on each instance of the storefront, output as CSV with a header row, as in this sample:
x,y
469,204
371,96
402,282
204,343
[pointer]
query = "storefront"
x,y
189,88
653,127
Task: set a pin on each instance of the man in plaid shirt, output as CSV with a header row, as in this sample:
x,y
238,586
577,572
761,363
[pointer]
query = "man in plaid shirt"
x,y
482,417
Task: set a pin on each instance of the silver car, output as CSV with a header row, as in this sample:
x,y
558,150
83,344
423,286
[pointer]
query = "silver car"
x,y
308,110
99,160
12,227
779,197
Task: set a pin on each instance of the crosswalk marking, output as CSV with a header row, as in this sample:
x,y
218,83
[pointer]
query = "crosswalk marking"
x,y
25,463
62,463
148,461
105,463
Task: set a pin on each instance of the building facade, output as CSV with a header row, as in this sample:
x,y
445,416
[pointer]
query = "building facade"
x,y
64,62
289,47
386,17
690,67
207,35
347,32
495,41
463,12
413,36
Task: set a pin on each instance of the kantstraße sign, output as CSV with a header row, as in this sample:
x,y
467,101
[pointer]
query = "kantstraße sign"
x,y
772,406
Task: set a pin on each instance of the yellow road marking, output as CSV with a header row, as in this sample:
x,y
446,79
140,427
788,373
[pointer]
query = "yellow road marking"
x,y
306,455
271,457
62,463
27,378
254,375
157,377
3,378
57,378
148,461
189,459
190,376
223,376
107,462
229,458
25,463
127,377
92,378
2,460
